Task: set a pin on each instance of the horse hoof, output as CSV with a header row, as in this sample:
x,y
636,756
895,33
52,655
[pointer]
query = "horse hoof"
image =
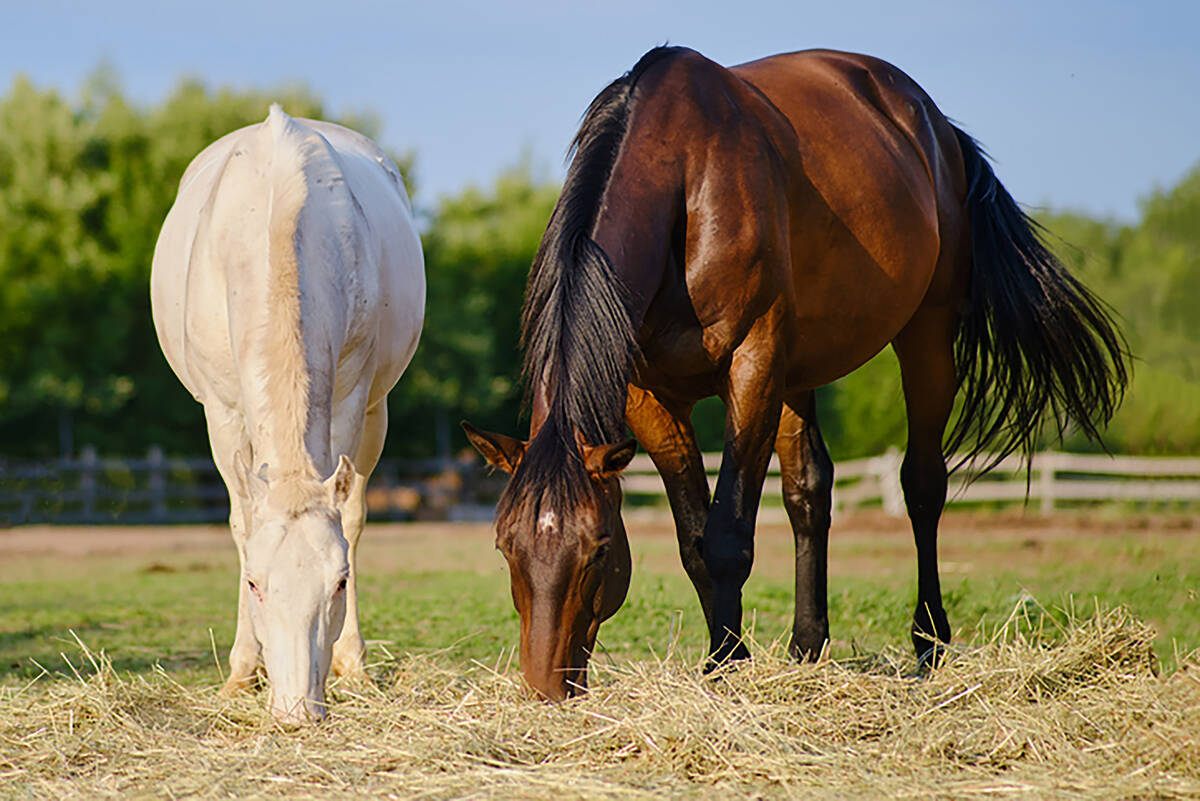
x,y
348,665
929,656
352,674
235,685
726,656
809,648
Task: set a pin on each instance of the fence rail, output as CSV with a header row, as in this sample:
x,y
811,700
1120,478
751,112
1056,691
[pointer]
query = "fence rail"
x,y
1054,479
157,489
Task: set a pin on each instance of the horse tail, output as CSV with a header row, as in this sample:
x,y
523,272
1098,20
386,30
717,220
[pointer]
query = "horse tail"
x,y
1033,343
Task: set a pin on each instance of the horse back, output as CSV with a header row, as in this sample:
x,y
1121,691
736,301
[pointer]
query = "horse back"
x,y
288,228
820,183
882,157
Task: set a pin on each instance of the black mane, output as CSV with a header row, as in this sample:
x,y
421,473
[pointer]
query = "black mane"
x,y
576,330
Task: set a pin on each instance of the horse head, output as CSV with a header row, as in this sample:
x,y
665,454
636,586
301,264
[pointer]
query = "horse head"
x,y
296,570
560,530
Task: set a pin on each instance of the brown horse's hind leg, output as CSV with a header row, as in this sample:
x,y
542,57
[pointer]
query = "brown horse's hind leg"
x,y
926,351
807,473
665,431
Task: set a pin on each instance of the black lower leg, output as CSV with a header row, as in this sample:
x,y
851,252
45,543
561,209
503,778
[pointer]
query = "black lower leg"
x,y
924,482
810,625
807,477
665,430
728,555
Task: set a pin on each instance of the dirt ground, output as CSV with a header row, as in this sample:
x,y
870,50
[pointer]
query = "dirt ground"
x,y
861,543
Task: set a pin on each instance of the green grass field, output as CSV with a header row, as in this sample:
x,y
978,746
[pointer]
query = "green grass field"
x,y
440,588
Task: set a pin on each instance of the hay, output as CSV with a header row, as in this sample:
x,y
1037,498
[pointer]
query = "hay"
x,y
1073,711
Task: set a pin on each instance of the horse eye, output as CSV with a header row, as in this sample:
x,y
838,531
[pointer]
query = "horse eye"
x,y
341,584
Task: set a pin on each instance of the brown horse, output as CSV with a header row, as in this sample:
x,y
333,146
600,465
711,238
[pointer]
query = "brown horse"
x,y
755,233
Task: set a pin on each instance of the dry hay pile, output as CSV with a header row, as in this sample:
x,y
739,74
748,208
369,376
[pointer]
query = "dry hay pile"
x,y
1079,712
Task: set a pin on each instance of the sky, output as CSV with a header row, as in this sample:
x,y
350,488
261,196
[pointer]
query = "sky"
x,y
1086,106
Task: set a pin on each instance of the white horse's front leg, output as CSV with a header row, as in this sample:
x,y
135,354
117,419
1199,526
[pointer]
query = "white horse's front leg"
x,y
227,436
349,650
243,656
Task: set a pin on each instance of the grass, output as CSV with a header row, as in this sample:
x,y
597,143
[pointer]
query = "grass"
x,y
444,589
108,675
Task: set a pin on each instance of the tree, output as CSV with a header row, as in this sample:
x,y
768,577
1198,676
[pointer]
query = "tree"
x,y
478,250
1150,274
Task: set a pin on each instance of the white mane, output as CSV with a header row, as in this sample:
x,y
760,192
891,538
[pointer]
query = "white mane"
x,y
285,373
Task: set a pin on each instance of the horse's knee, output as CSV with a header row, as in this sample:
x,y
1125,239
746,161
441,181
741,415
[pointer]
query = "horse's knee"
x,y
729,554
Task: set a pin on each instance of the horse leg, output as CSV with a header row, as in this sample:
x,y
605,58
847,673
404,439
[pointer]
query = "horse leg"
x,y
925,348
227,435
752,410
665,431
807,473
349,649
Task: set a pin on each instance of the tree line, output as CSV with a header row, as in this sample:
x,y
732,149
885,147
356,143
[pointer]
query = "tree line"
x,y
85,183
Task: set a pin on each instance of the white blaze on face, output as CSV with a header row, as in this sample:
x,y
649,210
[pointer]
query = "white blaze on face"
x,y
547,522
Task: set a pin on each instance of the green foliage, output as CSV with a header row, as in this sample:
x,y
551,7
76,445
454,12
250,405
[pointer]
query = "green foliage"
x,y
863,413
478,249
1150,274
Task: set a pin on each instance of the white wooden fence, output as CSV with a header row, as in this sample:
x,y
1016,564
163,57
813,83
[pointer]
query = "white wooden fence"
x,y
1055,478
158,489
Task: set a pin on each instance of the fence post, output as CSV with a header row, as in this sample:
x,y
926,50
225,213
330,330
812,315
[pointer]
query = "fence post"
x,y
1047,464
87,480
888,473
158,483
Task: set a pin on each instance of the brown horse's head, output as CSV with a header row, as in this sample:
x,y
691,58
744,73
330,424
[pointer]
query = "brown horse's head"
x,y
559,526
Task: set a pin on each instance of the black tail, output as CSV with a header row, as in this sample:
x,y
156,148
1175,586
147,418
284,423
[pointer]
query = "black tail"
x,y
1033,342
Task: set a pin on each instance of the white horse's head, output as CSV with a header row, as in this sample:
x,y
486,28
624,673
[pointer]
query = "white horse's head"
x,y
296,570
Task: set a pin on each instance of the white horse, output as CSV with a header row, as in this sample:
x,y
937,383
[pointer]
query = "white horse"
x,y
288,291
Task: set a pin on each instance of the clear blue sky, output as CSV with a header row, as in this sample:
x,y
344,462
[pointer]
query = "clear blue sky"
x,y
1084,105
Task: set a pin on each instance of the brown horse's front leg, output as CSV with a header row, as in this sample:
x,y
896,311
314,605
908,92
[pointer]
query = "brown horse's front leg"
x,y
752,408
665,431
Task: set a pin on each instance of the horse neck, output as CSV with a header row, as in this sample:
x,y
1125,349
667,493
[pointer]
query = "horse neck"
x,y
630,192
638,212
637,218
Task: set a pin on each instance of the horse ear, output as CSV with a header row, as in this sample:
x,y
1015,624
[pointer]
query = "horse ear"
x,y
499,451
607,461
341,482
249,485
